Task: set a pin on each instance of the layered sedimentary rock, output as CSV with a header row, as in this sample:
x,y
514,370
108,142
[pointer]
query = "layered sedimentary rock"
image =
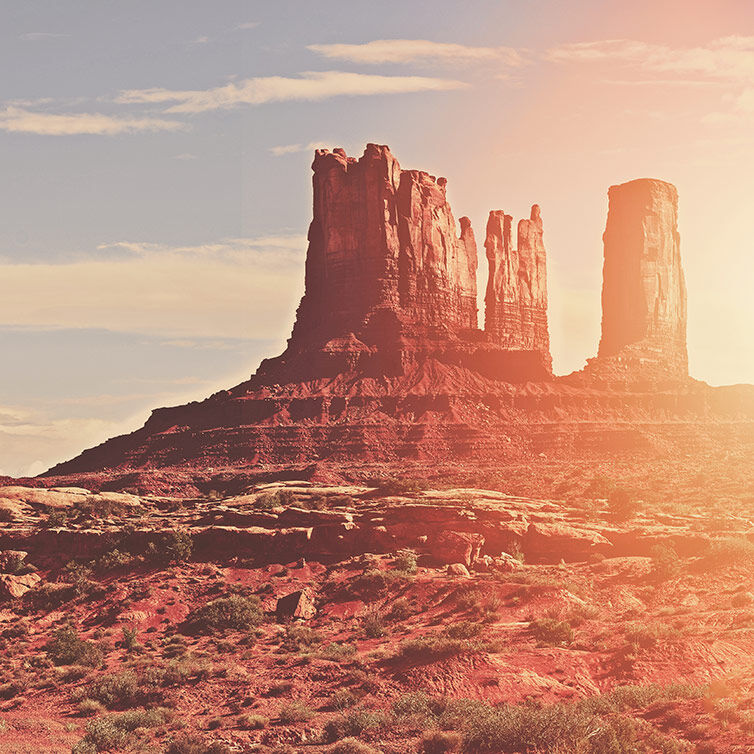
x,y
386,272
643,291
516,297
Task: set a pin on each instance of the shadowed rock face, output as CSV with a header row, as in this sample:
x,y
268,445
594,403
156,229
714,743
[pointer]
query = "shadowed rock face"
x,y
644,293
516,298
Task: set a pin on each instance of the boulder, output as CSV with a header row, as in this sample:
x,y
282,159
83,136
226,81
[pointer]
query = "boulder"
x,y
12,586
456,547
459,569
298,604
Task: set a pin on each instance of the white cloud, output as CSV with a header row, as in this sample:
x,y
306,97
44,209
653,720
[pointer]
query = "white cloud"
x,y
412,50
308,86
236,288
31,442
35,36
285,149
247,25
728,59
19,120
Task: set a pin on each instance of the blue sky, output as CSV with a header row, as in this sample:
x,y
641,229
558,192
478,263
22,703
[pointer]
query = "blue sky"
x,y
155,184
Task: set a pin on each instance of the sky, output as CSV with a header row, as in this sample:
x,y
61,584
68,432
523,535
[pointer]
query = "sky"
x,y
155,183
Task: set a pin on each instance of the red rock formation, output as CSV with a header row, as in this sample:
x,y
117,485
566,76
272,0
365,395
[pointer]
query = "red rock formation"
x,y
516,298
385,362
643,293
384,266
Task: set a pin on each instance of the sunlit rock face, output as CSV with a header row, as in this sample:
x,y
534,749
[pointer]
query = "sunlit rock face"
x,y
516,298
643,292
384,258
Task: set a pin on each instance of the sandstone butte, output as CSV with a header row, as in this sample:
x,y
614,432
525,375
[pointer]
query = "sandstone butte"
x,y
387,363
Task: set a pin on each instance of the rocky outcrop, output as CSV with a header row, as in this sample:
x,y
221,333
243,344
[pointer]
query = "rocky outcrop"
x,y
386,362
387,274
643,292
516,298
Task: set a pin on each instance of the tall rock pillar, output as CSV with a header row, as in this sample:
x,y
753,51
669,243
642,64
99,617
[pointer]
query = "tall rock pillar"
x,y
643,289
516,297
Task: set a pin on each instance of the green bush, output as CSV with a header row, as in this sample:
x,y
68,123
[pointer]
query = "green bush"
x,y
115,689
438,646
193,744
551,631
295,712
277,499
388,486
354,723
405,561
113,731
234,612
352,745
374,628
67,648
253,722
176,547
88,707
298,638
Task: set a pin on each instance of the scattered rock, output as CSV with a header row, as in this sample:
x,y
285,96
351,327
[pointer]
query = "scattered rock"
x,y
298,604
459,569
12,586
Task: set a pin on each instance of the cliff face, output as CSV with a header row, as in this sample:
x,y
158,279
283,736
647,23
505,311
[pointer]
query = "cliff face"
x,y
643,292
384,260
516,297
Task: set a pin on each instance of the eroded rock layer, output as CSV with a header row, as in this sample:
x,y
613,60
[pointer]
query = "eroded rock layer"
x,y
516,298
644,293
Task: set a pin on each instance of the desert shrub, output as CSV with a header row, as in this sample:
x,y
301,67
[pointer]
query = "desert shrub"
x,y
352,745
665,562
298,638
730,551
463,630
438,646
354,723
621,504
113,559
642,637
188,667
405,561
416,710
176,547
193,744
113,731
129,638
440,742
115,689
253,722
55,519
225,613
276,499
342,699
554,728
67,648
295,712
369,585
88,707
400,610
337,651
374,628
551,631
